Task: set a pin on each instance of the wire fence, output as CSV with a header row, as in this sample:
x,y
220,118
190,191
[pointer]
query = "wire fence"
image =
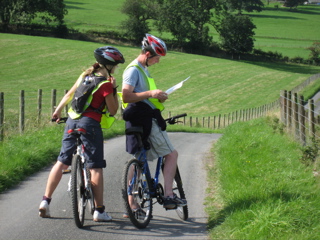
x,y
299,116
223,120
30,109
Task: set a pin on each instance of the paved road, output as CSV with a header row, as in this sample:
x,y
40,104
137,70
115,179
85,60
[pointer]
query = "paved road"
x,y
19,207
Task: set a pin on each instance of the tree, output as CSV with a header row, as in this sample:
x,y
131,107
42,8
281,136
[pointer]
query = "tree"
x,y
23,11
247,5
293,3
315,53
187,21
139,13
236,33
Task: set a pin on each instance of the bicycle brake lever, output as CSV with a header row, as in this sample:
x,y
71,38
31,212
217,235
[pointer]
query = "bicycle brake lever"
x,y
173,121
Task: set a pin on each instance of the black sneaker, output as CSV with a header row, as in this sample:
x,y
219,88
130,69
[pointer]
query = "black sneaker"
x,y
174,202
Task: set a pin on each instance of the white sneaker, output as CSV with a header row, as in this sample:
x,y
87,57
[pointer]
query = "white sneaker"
x,y
44,211
101,217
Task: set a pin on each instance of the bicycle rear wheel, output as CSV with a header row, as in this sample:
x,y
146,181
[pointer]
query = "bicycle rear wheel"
x,y
90,196
77,191
136,191
178,189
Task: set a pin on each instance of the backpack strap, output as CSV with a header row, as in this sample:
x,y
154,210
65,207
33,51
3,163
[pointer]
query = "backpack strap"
x,y
99,109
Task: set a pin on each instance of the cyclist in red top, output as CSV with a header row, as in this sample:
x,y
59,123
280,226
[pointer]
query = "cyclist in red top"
x,y
107,59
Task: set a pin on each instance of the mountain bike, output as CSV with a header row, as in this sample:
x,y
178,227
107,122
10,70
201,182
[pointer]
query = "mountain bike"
x,y
142,188
80,179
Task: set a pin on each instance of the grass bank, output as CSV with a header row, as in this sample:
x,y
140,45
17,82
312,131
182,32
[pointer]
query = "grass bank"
x,y
258,187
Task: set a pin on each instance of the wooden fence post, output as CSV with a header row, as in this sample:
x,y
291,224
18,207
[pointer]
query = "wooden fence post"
x,y
1,115
311,118
53,100
295,115
21,115
283,105
302,127
288,122
39,105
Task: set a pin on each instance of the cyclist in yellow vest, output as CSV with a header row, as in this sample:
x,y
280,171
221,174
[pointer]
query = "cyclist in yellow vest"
x,y
105,96
145,103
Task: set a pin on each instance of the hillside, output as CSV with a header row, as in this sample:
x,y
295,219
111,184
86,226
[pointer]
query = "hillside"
x,y
216,85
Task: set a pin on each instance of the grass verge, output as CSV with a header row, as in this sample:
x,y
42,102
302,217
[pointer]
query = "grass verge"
x,y
259,188
26,154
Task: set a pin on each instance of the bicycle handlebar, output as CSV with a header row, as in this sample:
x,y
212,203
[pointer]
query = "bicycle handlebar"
x,y
173,120
62,120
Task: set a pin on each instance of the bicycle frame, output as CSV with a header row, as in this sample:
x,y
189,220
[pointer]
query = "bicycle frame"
x,y
80,152
146,172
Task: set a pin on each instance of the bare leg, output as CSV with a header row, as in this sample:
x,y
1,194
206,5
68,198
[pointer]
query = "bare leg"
x,y
169,171
133,204
54,178
97,185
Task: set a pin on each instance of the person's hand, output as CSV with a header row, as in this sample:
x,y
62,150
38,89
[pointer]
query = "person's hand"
x,y
162,96
113,81
57,116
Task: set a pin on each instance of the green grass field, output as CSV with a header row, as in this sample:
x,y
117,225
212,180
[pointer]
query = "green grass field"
x,y
216,86
278,29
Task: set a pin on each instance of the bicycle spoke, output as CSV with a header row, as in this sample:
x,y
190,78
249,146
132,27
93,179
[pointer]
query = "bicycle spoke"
x,y
136,195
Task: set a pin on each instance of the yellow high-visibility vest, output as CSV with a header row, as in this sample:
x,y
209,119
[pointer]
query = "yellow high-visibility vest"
x,y
152,86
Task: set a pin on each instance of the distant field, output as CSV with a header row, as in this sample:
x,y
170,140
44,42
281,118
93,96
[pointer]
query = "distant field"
x,y
94,15
216,85
278,29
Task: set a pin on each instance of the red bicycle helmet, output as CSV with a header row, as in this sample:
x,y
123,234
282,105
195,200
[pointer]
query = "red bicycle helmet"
x,y
154,45
108,56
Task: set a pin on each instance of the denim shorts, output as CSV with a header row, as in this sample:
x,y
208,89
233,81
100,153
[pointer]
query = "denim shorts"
x,y
92,140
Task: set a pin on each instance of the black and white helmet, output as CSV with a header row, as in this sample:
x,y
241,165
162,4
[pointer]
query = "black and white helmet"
x,y
108,56
154,45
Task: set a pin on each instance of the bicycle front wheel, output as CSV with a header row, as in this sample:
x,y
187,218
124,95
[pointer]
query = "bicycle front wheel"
x,y
178,190
136,195
77,191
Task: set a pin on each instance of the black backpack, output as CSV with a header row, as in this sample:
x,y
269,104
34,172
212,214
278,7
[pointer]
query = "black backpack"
x,y
83,92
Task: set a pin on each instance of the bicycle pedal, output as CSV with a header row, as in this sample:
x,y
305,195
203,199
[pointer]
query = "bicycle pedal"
x,y
66,171
171,208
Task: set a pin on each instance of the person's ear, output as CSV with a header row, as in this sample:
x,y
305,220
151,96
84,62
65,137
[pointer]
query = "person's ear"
x,y
148,54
